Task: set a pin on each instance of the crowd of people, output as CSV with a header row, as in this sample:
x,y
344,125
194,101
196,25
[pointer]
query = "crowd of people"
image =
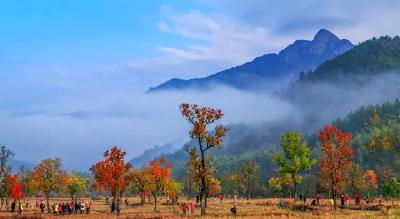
x,y
72,207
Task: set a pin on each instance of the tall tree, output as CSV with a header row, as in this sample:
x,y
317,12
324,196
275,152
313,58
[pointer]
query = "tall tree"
x,y
48,177
160,173
112,173
5,170
200,118
336,159
296,158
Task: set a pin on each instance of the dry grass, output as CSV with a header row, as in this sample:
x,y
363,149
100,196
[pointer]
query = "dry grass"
x,y
251,209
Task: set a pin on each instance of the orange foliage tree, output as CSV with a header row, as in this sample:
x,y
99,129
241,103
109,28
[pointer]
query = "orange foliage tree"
x,y
214,187
47,177
200,118
335,162
370,180
112,173
160,173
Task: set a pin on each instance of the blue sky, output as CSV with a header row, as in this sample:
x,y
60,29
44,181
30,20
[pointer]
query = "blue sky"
x,y
73,73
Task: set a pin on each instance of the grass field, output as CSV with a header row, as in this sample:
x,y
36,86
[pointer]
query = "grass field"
x,y
256,208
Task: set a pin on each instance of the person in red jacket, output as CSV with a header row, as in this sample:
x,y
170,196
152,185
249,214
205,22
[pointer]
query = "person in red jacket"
x,y
184,208
221,198
358,199
346,200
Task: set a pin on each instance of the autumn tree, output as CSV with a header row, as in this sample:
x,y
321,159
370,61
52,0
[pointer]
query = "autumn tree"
x,y
76,184
354,176
140,181
370,180
336,158
199,173
16,190
245,176
360,181
214,187
296,158
10,181
200,119
171,189
48,177
160,173
384,137
275,183
112,173
237,183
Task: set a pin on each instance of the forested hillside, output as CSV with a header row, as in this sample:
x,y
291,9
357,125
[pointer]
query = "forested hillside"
x,y
319,99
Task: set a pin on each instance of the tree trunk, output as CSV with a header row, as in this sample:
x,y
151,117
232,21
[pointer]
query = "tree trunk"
x,y
48,203
203,195
295,191
248,192
142,198
333,193
190,184
205,200
155,202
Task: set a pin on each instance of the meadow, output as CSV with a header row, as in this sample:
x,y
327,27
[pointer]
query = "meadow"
x,y
252,209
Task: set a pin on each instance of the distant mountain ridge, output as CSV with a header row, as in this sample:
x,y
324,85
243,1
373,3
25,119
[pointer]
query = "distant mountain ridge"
x,y
270,71
153,152
16,164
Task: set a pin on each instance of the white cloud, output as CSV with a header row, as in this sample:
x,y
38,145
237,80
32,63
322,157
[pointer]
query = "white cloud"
x,y
218,38
163,26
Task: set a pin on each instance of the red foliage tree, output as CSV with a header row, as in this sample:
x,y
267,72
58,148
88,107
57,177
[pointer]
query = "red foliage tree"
x,y
112,172
335,162
16,191
14,188
160,172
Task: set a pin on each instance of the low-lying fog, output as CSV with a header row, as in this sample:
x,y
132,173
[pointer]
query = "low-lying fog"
x,y
79,124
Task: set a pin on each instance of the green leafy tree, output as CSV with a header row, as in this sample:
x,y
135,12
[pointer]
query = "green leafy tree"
x,y
76,185
391,189
296,158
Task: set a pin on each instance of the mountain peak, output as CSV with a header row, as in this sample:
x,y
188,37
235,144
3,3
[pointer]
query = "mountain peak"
x,y
271,71
325,36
